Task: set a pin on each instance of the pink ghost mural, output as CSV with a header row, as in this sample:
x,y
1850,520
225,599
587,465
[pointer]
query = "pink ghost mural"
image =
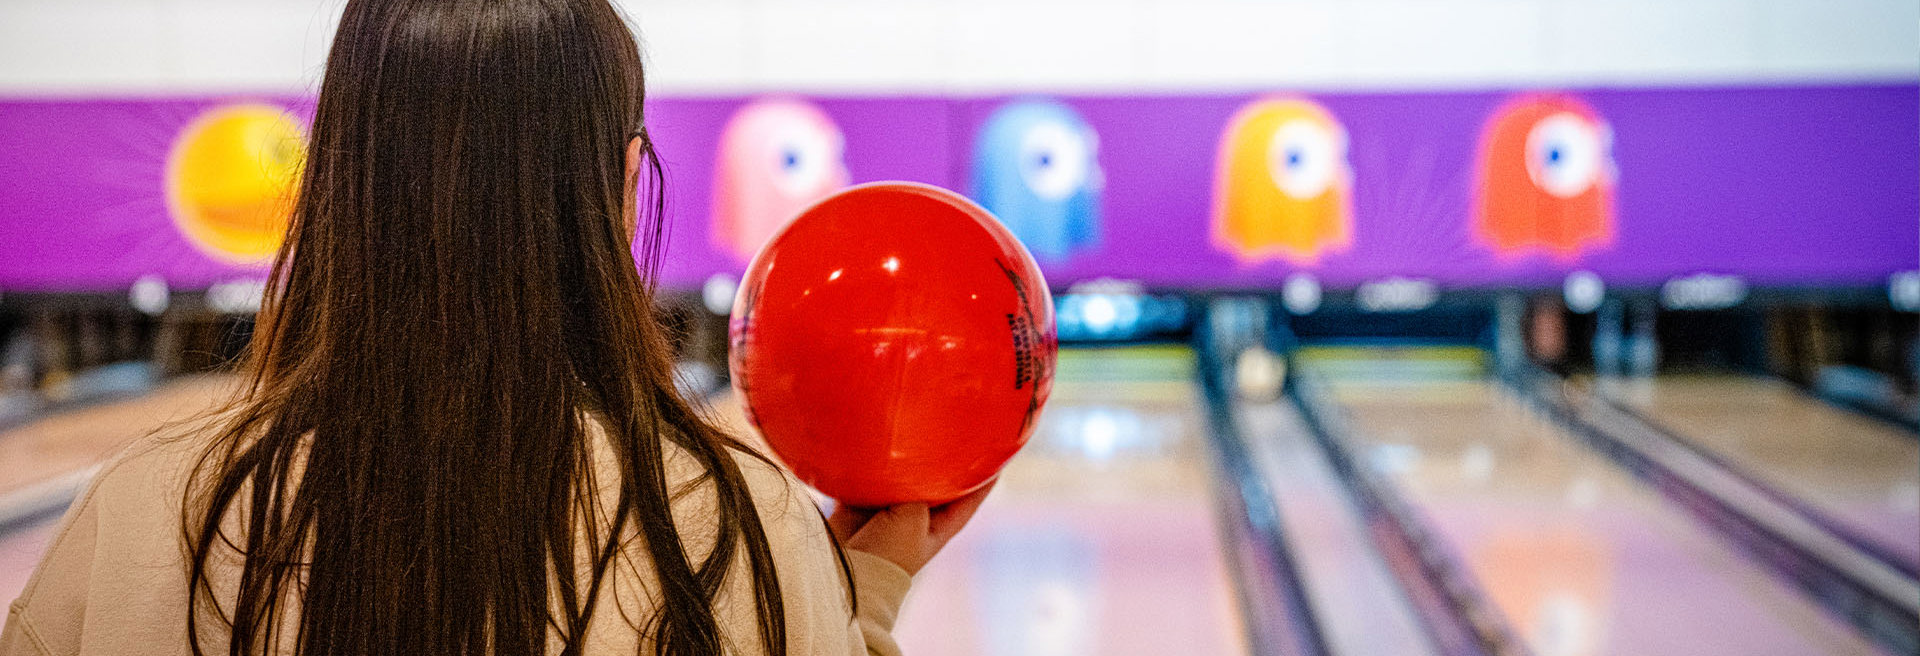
x,y
776,157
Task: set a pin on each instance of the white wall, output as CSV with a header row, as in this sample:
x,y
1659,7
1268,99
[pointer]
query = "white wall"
x,y
67,47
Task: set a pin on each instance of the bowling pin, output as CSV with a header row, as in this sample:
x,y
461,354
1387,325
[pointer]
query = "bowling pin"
x,y
1510,337
1607,340
1643,345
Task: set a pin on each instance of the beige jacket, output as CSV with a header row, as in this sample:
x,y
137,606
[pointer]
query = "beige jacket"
x,y
114,580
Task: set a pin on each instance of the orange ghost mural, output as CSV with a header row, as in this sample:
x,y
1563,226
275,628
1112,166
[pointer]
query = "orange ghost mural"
x,y
1282,183
1545,179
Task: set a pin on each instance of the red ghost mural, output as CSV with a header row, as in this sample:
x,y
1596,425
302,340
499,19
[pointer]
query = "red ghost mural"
x,y
1546,178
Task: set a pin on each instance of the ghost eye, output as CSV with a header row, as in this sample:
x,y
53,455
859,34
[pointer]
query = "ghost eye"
x,y
1056,160
1565,155
1306,158
802,160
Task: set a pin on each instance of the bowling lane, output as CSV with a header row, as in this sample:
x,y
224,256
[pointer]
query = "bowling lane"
x,y
47,460
56,445
1356,599
1859,471
1101,537
1580,558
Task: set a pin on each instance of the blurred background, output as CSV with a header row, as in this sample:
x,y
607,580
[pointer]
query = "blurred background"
x,y
1556,327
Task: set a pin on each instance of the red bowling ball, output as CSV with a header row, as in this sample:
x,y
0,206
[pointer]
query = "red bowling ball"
x,y
894,343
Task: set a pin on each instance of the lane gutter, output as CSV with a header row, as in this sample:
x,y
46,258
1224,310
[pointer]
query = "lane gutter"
x,y
1279,618
1449,601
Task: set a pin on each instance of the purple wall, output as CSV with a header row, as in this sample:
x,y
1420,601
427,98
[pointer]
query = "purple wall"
x,y
1784,186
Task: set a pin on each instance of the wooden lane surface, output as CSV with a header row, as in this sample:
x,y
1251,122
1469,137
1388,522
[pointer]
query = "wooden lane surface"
x,y
52,456
1579,556
59,444
1855,469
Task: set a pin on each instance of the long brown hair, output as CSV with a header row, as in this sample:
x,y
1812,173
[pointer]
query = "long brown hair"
x,y
458,298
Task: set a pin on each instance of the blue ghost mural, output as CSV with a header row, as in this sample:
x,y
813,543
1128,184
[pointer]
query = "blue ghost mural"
x,y
1036,165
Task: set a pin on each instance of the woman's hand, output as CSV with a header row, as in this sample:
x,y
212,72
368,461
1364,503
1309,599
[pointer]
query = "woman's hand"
x,y
907,535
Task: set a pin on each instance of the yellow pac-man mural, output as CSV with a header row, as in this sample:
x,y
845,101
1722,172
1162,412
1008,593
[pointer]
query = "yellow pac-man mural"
x,y
231,180
1282,185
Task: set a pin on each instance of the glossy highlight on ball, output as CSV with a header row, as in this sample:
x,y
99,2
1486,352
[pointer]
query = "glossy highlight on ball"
x,y
894,343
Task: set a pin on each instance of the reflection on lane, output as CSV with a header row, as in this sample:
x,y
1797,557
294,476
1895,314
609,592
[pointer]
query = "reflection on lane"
x,y
1100,537
1580,557
1857,470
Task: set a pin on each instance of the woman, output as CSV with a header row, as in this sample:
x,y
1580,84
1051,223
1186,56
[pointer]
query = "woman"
x,y
460,433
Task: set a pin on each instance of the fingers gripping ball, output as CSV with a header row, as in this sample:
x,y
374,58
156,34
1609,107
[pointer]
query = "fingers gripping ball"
x,y
894,343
